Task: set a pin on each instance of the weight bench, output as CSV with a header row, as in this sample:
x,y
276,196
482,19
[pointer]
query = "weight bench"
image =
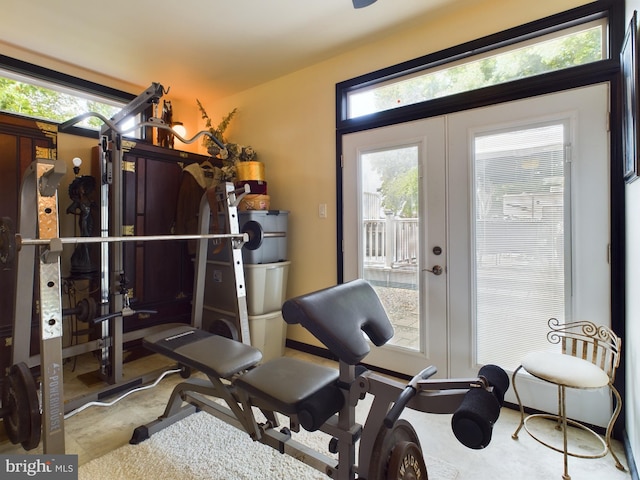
x,y
286,385
323,398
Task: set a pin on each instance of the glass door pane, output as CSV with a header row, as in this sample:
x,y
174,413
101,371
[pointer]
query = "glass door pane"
x,y
390,237
520,183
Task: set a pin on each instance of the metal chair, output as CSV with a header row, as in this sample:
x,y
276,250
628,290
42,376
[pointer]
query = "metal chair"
x,y
590,355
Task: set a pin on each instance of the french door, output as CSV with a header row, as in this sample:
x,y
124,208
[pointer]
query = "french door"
x,y
394,212
512,205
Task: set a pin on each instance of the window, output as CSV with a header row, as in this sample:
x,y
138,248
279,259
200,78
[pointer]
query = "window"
x,y
37,92
566,48
32,100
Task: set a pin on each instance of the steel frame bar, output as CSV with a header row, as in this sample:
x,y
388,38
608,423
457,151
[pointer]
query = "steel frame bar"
x,y
38,222
39,213
39,218
229,197
129,238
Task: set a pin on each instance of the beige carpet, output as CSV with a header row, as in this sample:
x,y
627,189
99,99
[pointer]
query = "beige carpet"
x,y
203,447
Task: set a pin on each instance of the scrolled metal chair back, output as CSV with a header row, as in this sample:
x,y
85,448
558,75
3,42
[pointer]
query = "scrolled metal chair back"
x,y
595,343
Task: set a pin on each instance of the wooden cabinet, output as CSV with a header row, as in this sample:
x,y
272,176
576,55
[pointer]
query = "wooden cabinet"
x,y
21,141
160,273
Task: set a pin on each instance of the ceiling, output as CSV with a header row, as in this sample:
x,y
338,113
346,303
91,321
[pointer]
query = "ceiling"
x,y
229,45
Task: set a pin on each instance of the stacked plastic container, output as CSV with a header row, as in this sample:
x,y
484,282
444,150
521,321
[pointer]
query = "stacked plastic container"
x,y
266,270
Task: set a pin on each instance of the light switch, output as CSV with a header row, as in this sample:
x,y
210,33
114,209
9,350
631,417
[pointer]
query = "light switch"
x,y
322,210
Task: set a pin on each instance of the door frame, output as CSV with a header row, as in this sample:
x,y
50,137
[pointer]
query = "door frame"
x,y
451,309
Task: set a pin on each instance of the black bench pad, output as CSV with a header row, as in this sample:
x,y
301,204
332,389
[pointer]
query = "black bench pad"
x,y
338,315
209,353
285,383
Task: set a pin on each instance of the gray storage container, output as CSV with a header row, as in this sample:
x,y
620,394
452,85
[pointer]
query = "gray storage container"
x,y
272,249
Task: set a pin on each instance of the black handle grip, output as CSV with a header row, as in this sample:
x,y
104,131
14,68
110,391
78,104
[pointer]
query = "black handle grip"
x,y
406,395
393,414
472,423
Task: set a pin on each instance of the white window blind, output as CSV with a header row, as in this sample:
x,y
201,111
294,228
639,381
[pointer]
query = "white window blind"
x,y
520,219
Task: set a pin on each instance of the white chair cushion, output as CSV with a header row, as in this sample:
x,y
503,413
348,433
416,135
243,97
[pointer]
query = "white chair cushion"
x,y
565,370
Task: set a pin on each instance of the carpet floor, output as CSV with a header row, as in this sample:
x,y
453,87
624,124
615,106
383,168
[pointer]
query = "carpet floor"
x,y
204,447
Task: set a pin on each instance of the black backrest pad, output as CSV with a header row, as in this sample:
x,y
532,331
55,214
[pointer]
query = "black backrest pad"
x,y
338,315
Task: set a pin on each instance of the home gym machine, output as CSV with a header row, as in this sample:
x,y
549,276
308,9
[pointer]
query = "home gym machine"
x,y
30,411
20,409
316,397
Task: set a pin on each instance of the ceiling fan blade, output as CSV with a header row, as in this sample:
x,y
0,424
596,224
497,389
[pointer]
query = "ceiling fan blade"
x,y
362,3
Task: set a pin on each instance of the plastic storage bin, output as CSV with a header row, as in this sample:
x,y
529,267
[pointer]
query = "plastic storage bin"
x,y
266,286
268,334
272,249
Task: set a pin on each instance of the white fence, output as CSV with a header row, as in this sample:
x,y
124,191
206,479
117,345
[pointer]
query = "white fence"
x,y
390,242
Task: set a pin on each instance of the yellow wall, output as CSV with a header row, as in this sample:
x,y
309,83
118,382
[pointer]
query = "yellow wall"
x,y
291,124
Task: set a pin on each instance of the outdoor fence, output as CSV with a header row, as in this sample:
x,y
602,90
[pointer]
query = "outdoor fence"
x,y
391,242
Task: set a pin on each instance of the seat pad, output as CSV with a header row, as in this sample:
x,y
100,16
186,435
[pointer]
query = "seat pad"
x,y
563,369
285,382
211,354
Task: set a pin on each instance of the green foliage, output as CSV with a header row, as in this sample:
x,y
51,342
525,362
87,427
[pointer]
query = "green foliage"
x,y
399,173
556,54
218,132
40,102
399,188
401,195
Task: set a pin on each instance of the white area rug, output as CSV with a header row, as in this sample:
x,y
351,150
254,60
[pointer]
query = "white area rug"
x,y
204,447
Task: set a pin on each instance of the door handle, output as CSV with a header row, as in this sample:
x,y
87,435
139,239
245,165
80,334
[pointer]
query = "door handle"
x,y
436,270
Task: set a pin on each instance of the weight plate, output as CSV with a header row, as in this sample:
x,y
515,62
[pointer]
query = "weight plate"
x,y
23,419
224,328
386,441
7,241
87,310
406,463
256,234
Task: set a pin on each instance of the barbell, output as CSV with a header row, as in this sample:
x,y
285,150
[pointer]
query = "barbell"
x,y
20,410
252,236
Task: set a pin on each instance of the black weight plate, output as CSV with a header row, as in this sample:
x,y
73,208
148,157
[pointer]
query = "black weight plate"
x,y
20,398
16,421
406,463
386,440
224,328
256,234
88,310
7,241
